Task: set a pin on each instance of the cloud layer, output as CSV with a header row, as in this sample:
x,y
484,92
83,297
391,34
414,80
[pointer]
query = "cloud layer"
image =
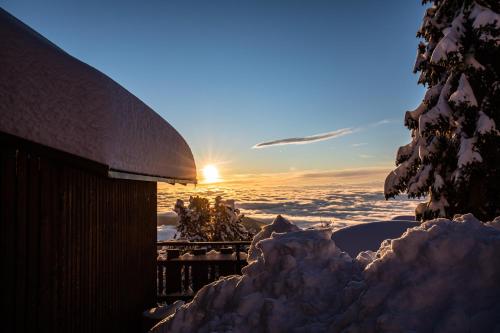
x,y
304,204
306,139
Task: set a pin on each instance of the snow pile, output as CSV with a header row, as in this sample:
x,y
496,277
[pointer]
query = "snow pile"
x,y
495,223
279,225
163,311
368,236
296,283
440,276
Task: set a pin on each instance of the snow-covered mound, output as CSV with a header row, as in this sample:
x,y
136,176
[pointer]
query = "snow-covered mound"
x,y
403,218
441,276
279,225
298,278
495,223
368,236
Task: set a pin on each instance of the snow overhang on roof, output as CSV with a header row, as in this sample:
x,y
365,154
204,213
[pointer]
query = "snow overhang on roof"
x,y
51,98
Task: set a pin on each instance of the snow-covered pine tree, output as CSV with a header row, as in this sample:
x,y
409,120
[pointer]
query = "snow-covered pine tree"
x,y
194,219
200,222
226,225
454,155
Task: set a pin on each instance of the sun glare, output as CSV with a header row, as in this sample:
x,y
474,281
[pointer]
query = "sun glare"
x,y
210,174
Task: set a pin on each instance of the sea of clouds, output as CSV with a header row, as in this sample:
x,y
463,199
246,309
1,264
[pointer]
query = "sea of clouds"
x,y
305,205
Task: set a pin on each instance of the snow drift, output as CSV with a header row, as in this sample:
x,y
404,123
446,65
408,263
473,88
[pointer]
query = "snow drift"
x,y
368,236
300,273
441,276
279,225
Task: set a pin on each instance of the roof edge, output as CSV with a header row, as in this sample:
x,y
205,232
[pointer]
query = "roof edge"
x,y
117,174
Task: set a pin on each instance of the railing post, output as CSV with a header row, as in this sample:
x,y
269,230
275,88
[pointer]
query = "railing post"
x,y
238,252
199,272
160,277
175,275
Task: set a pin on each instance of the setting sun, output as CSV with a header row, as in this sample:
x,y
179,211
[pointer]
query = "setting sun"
x,y
210,173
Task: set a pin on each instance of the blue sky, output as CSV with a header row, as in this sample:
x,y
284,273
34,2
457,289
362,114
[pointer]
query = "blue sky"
x,y
230,74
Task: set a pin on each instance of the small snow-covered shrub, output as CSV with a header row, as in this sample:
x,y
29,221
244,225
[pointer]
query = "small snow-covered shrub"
x,y
201,222
227,222
194,219
442,276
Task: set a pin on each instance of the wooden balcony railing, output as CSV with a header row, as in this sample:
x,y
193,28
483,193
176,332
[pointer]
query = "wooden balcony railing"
x,y
185,267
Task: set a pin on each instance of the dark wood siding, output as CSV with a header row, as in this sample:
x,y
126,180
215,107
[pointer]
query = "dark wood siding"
x,y
77,249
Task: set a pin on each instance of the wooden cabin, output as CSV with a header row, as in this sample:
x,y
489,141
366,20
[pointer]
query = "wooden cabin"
x,y
79,161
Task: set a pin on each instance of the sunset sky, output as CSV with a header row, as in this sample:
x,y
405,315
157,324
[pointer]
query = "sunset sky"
x,y
229,75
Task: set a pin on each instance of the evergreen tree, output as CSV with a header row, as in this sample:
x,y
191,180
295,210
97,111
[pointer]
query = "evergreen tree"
x,y
227,220
454,155
200,222
194,220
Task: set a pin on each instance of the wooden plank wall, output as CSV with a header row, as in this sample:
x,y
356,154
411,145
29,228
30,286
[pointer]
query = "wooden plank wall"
x,y
77,249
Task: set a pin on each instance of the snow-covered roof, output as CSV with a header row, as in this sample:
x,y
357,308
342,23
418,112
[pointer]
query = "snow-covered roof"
x,y
51,98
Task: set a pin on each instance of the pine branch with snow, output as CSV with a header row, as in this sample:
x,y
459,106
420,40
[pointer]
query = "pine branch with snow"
x,y
454,154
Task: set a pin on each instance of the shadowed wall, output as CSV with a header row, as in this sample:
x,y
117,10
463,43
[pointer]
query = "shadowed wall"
x,y
77,249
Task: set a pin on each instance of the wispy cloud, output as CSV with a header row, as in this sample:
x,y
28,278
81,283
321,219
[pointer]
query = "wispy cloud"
x,y
306,139
322,136
382,122
359,144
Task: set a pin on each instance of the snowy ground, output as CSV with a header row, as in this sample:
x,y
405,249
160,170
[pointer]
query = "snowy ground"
x,y
441,276
165,232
